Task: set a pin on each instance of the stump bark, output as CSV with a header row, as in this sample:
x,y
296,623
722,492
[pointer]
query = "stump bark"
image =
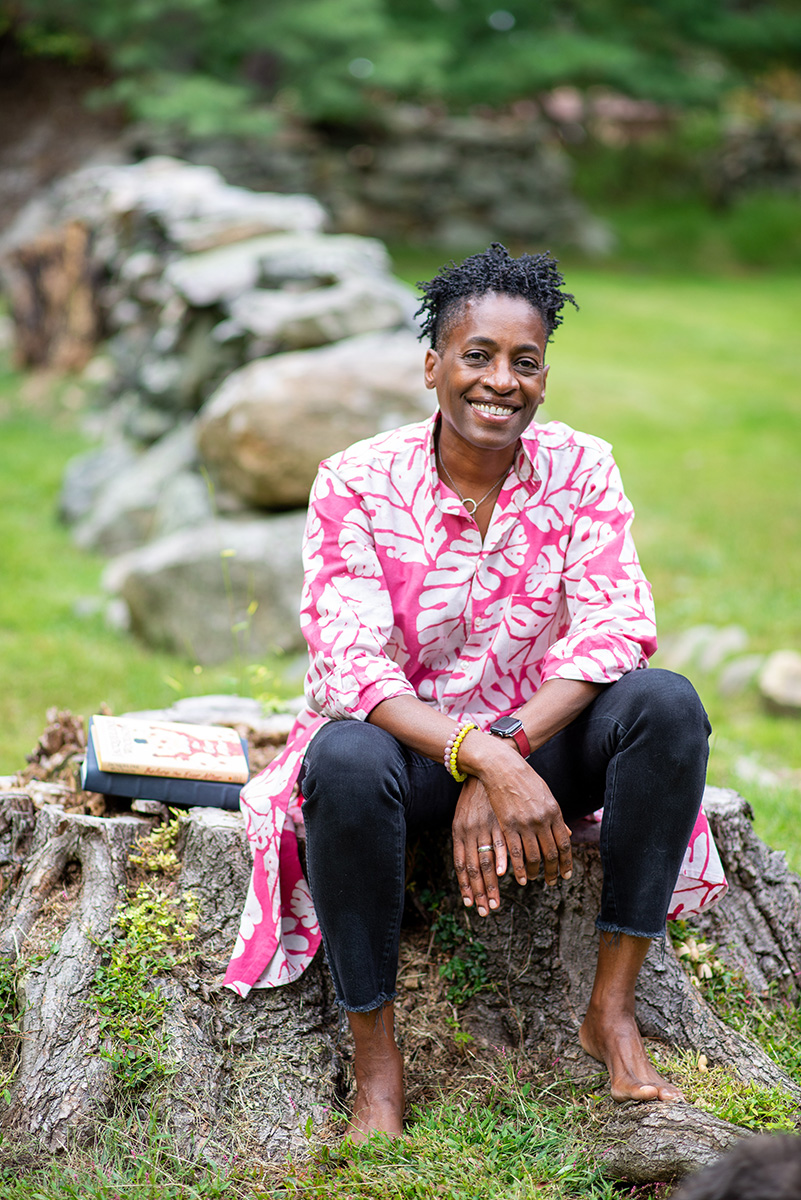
x,y
249,1076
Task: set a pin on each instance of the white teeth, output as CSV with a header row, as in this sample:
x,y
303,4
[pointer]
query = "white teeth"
x,y
496,410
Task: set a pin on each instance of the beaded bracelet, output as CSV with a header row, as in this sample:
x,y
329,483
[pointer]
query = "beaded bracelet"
x,y
452,764
446,758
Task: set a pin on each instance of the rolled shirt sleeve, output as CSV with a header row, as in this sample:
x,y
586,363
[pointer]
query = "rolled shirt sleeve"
x,y
346,610
612,624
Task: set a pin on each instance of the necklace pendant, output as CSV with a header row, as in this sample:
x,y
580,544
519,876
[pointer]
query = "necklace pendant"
x,y
470,505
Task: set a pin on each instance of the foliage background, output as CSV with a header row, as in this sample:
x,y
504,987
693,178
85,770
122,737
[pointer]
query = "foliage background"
x,y
203,63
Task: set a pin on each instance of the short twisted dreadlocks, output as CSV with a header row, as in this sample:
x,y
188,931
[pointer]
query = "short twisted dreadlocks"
x,y
533,276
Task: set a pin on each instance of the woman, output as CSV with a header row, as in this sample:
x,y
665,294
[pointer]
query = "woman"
x,y
476,618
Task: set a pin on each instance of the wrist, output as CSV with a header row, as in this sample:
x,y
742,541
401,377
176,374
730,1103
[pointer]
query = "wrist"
x,y
511,729
479,752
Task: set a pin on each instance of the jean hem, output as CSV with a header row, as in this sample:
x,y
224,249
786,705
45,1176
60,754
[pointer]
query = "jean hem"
x,y
610,927
383,999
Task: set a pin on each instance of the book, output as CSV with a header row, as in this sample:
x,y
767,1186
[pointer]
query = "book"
x,y
180,793
130,745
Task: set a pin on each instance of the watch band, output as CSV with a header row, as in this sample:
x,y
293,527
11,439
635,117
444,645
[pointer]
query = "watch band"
x,y
515,731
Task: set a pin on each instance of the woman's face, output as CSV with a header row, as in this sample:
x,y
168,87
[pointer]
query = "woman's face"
x,y
490,374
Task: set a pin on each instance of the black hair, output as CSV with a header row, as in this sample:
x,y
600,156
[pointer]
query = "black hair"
x,y
533,276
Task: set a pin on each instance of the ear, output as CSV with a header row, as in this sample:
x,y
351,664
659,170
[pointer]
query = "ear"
x,y
431,368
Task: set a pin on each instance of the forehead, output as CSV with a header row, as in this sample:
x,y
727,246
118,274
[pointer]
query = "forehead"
x,y
497,317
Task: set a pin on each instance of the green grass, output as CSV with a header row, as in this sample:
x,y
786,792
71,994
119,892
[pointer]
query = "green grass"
x,y
503,1140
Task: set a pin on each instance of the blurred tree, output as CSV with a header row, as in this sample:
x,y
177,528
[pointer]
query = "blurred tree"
x,y
214,66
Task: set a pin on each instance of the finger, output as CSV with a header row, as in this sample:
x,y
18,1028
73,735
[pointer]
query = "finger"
x,y
549,853
478,886
462,875
517,856
531,849
563,845
501,854
486,861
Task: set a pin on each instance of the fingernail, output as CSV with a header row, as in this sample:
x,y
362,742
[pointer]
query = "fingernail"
x,y
467,901
493,903
482,912
568,875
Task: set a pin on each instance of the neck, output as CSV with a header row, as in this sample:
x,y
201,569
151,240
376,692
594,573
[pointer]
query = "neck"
x,y
469,465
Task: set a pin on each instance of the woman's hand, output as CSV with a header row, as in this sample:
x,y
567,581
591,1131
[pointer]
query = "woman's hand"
x,y
475,827
525,817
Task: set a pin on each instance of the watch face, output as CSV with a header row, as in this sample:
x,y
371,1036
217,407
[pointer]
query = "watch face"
x,y
506,726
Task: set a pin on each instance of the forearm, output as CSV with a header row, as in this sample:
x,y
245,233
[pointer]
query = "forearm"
x,y
414,723
554,706
424,729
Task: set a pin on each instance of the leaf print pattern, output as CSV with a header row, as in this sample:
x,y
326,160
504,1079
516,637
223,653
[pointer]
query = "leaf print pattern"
x,y
401,596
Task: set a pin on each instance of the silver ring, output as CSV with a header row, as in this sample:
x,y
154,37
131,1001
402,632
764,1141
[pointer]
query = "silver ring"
x,y
481,848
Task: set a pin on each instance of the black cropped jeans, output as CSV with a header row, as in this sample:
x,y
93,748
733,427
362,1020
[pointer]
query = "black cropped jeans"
x,y
639,749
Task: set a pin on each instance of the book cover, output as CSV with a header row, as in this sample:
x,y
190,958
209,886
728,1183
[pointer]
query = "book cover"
x,y
181,793
130,745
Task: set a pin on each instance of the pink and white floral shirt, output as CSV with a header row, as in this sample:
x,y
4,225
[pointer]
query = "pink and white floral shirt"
x,y
402,596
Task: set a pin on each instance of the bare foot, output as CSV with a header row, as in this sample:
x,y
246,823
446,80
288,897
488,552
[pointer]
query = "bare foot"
x,y
617,1043
379,1103
378,1065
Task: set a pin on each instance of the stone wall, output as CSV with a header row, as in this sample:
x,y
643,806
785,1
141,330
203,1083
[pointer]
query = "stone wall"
x,y
425,177
244,345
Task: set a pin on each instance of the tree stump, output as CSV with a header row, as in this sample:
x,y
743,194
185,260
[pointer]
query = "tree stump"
x,y
251,1076
52,285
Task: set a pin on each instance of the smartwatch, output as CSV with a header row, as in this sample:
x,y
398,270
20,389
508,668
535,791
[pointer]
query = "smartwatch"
x,y
512,727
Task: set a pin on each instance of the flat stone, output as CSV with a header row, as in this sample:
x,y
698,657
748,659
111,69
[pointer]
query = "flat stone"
x,y
780,682
280,320
315,260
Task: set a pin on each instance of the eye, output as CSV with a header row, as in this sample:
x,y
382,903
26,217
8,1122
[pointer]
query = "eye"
x,y
475,356
529,365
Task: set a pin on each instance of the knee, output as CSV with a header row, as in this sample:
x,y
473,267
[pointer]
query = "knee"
x,y
674,707
349,766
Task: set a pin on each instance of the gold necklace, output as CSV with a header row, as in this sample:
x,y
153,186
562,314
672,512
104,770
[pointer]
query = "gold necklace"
x,y
468,500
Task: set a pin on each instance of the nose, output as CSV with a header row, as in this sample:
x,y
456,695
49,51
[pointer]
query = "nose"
x,y
499,376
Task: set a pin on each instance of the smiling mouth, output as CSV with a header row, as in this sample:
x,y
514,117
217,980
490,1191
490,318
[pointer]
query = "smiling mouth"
x,y
493,410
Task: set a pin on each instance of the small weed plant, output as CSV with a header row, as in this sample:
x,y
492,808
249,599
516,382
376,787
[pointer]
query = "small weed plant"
x,y
154,931
716,1090
155,852
465,969
773,1021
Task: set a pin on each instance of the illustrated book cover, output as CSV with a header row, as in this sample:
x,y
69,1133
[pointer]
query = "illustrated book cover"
x,y
131,745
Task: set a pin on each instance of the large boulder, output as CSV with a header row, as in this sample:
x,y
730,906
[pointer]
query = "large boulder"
x,y
269,425
220,589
